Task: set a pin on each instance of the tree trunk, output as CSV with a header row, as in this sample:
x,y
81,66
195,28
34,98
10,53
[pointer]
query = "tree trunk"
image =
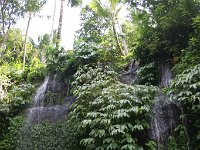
x,y
54,12
25,41
3,45
123,39
116,36
60,25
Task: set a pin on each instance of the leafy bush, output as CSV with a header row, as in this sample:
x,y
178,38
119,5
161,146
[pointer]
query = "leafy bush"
x,y
147,74
55,59
93,54
185,89
190,56
46,135
112,114
4,85
13,71
82,55
177,140
11,138
186,86
36,70
18,98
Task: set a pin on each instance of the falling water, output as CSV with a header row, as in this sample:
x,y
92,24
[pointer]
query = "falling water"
x,y
54,82
166,75
165,115
128,76
40,112
38,99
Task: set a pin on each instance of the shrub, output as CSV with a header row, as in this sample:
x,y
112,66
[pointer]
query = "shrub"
x,y
111,114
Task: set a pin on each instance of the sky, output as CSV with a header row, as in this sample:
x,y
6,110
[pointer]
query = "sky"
x,y
42,22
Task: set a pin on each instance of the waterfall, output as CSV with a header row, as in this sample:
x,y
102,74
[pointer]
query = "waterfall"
x,y
42,109
49,111
38,99
166,74
165,113
128,76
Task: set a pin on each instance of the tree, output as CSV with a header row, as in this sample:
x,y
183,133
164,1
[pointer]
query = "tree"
x,y
54,12
190,55
44,42
93,27
60,24
72,3
31,7
14,43
165,27
10,11
110,12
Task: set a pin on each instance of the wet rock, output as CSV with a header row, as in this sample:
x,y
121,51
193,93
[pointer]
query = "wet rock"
x,y
164,120
128,76
52,114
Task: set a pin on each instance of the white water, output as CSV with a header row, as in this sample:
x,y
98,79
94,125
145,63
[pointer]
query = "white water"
x,y
40,112
166,75
38,99
164,117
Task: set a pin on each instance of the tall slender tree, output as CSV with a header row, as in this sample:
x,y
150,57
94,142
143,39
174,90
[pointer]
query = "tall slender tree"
x,y
111,13
72,3
54,13
10,11
31,7
60,23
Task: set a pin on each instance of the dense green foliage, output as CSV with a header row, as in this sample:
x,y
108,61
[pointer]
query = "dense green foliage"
x,y
185,90
46,135
11,138
110,113
107,114
190,56
165,29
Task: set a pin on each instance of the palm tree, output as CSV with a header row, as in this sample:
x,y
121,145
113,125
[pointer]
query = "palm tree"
x,y
60,24
31,6
25,40
110,12
54,12
72,3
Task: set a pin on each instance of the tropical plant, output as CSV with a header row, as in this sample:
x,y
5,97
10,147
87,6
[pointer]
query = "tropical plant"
x,y
185,90
10,139
72,3
106,109
165,27
10,11
109,10
147,74
190,55
31,7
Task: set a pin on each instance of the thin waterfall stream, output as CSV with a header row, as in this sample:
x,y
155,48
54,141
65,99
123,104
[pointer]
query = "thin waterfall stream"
x,y
165,113
50,107
51,112
40,93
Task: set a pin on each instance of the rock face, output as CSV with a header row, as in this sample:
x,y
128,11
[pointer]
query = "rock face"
x,y
56,86
165,118
166,74
129,75
165,113
39,112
